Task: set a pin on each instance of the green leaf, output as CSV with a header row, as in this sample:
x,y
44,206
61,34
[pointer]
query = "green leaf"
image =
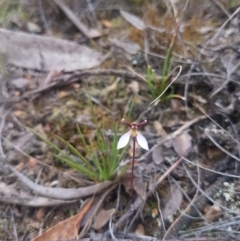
x,y
75,165
75,152
44,139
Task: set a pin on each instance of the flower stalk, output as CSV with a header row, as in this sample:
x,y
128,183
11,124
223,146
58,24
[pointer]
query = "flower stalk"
x,y
136,137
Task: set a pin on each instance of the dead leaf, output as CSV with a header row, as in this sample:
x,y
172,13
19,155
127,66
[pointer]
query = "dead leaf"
x,y
182,144
32,162
204,29
98,204
18,113
106,23
172,201
134,86
157,155
211,213
102,218
134,20
140,187
19,83
67,229
230,64
214,154
155,212
20,166
88,218
24,141
125,180
159,129
140,229
128,46
46,53
75,85
40,214
198,98
17,93
109,89
62,94
168,144
176,105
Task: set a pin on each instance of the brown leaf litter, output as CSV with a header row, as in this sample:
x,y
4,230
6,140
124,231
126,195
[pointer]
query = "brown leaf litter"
x,y
67,229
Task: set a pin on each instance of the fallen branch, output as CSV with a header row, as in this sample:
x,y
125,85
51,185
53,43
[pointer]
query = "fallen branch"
x,y
10,195
60,193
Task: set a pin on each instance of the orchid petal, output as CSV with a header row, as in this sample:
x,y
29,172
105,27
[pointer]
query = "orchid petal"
x,y
142,141
123,141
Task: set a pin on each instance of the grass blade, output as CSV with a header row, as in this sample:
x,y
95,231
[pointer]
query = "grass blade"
x,y
75,152
76,166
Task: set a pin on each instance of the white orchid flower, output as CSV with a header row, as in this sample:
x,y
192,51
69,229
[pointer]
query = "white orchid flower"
x,y
135,134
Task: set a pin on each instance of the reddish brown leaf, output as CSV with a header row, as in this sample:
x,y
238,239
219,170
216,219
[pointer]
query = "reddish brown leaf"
x,y
211,213
18,113
40,214
106,23
67,229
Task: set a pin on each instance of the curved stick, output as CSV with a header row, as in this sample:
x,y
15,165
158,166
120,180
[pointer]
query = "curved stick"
x,y
10,195
60,193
